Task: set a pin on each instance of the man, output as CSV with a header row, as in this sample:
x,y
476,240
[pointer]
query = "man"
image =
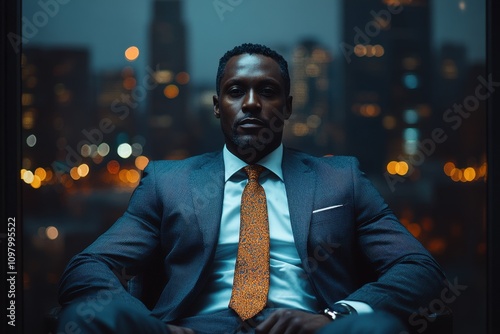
x,y
325,229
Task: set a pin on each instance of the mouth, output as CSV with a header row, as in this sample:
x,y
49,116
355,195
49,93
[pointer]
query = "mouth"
x,y
251,122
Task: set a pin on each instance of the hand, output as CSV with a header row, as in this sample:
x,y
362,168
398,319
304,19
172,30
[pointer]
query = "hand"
x,y
179,330
292,322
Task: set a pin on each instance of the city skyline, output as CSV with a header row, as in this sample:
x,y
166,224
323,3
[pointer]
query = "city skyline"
x,y
212,30
170,56
442,210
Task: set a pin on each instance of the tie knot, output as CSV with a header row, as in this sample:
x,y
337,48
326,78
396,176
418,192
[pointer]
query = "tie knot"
x,y
253,172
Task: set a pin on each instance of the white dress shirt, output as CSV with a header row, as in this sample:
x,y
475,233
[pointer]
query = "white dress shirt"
x,y
289,286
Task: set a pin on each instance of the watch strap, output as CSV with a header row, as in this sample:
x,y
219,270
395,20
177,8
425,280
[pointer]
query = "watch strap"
x,y
338,310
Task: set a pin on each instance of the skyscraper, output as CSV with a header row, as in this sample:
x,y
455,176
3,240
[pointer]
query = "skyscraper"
x,y
310,126
410,94
387,78
168,101
56,107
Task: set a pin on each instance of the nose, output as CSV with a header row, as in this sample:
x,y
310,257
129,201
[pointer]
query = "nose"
x,y
251,101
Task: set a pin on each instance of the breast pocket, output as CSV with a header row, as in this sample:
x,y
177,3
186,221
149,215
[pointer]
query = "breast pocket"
x,y
331,231
330,214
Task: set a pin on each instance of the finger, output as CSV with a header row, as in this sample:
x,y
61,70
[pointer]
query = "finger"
x,y
277,323
266,325
279,327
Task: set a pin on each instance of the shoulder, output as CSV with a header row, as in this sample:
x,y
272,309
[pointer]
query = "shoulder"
x,y
183,165
326,161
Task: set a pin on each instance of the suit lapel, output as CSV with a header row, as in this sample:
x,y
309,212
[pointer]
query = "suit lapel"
x,y
207,184
300,184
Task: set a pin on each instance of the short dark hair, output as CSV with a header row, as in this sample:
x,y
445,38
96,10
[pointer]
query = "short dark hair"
x,y
249,48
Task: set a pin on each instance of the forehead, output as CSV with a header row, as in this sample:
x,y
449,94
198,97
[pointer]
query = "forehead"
x,y
252,66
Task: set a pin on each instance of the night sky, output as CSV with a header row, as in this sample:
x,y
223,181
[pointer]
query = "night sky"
x,y
108,27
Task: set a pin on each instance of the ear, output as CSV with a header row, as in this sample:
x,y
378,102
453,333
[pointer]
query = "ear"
x,y
288,107
215,99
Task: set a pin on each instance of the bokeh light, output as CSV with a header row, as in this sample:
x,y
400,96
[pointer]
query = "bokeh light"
x,y
469,174
85,151
36,183
52,232
113,167
466,174
28,176
123,175
136,149
171,91
124,150
182,78
300,129
398,167
132,176
83,170
74,173
103,149
41,173
31,140
132,53
141,162
129,83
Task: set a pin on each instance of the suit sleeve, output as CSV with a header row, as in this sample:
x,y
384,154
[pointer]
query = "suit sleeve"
x,y
408,276
127,245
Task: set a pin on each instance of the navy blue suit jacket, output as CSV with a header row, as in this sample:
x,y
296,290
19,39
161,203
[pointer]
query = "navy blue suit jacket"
x,y
354,249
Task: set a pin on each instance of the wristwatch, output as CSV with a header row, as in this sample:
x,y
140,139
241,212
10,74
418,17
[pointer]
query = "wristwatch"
x,y
338,311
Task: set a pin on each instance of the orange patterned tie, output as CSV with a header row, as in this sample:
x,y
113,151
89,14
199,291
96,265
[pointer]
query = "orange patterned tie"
x,y
251,275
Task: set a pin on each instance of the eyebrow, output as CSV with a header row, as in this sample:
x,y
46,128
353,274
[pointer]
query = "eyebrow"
x,y
238,80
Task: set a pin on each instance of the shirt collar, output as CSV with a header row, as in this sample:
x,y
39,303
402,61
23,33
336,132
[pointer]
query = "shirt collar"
x,y
272,162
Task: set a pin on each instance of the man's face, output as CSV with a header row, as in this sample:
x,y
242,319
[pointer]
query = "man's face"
x,y
252,106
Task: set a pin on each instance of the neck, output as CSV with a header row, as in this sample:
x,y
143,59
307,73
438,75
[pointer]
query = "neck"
x,y
251,154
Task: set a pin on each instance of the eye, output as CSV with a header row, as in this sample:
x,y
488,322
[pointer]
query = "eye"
x,y
268,91
235,92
